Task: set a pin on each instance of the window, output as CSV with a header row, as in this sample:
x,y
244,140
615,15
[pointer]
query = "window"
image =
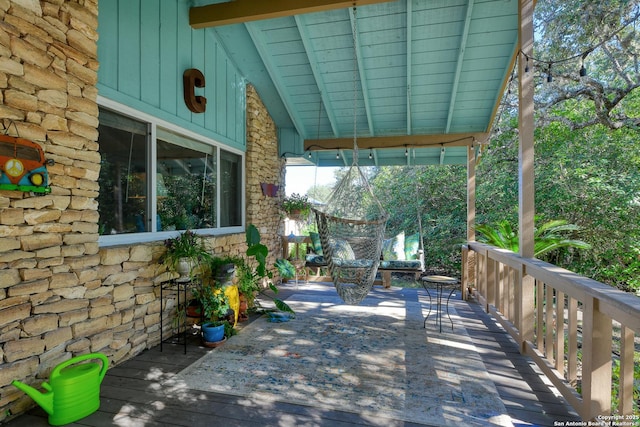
x,y
231,194
122,203
186,183
155,178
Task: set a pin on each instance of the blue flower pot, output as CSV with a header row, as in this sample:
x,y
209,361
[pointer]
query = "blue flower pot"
x,y
212,333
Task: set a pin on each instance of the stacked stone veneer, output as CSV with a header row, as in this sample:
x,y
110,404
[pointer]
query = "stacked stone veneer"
x,y
62,295
263,166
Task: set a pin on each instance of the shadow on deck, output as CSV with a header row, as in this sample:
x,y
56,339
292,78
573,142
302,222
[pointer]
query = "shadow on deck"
x,y
132,394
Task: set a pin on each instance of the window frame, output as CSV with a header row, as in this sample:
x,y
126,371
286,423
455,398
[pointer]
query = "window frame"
x,y
153,123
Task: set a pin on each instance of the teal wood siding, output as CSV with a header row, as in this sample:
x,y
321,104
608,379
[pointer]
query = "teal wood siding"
x,y
144,48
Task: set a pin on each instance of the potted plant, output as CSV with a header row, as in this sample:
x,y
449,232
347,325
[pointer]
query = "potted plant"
x,y
296,206
185,252
286,270
215,311
255,272
247,288
221,272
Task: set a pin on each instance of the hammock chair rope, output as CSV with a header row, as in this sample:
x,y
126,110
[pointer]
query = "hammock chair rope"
x,y
351,225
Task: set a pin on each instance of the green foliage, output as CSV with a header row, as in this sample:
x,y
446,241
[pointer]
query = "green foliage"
x,y
601,35
184,207
615,377
548,237
285,268
296,202
257,257
186,245
624,269
258,252
321,193
436,194
214,302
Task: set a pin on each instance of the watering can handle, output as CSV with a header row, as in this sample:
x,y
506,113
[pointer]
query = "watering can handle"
x,y
73,360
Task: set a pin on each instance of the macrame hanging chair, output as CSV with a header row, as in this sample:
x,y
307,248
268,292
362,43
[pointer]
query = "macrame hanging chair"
x,y
351,226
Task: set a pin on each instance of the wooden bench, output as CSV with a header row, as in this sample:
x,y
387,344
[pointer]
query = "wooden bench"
x,y
415,263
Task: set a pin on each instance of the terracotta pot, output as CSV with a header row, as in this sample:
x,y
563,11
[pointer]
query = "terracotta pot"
x,y
214,344
294,214
244,306
193,310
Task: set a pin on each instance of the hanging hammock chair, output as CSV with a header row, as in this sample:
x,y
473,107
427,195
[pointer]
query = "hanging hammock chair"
x,y
351,228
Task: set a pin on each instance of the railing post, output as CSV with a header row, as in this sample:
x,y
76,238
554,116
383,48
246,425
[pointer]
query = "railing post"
x,y
526,308
596,361
492,280
464,274
626,371
481,276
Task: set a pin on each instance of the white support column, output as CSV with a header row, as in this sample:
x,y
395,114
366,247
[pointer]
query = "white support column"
x,y
526,208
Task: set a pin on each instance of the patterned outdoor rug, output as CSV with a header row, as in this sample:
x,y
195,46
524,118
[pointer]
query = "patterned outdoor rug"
x,y
375,358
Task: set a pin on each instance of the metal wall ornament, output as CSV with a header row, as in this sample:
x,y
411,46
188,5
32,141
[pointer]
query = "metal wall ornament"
x,y
23,166
193,78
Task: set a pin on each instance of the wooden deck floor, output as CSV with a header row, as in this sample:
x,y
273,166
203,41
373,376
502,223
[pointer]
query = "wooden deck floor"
x,y
131,394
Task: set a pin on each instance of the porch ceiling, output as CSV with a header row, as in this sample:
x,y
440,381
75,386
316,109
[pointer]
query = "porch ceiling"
x,y
428,79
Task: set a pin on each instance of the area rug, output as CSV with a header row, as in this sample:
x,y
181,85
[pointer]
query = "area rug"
x,y
374,359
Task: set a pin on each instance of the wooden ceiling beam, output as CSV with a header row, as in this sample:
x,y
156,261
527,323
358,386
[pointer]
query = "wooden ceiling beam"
x,y
408,141
239,11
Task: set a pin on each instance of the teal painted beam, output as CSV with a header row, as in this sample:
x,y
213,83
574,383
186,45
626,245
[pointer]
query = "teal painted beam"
x,y
459,64
302,26
362,72
260,43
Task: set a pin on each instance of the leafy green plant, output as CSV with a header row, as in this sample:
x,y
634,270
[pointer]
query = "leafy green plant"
x,y
256,267
214,302
185,245
246,281
547,237
296,203
285,268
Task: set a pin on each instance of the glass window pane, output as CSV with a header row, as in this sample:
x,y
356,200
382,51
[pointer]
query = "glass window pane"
x,y
186,183
230,189
122,201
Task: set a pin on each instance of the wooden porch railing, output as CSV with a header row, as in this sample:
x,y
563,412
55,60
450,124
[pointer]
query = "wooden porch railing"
x,y
573,327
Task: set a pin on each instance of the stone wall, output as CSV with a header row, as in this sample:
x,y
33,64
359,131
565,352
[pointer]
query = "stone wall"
x,y
264,165
52,303
62,295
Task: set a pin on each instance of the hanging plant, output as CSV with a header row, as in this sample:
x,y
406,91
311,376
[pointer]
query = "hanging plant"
x,y
296,205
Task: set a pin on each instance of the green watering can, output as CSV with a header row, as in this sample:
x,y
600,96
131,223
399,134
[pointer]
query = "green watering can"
x,y
73,392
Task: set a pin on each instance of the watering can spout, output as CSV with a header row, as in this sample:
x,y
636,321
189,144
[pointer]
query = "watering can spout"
x,y
45,400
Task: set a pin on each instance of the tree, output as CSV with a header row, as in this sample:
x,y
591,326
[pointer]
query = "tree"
x,y
586,154
437,194
591,50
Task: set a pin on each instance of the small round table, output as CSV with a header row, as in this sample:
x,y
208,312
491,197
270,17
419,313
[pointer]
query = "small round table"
x,y
440,283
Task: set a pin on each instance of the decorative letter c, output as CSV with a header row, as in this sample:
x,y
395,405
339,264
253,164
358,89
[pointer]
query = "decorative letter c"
x,y
193,78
